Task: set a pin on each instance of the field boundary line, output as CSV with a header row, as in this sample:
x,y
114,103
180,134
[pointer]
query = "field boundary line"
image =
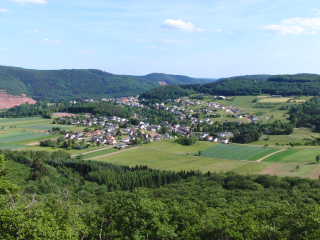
x,y
109,154
261,159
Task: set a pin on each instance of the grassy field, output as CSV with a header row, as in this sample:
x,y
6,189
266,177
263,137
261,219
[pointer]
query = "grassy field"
x,y
237,152
49,127
245,103
170,146
21,122
294,155
160,159
298,136
99,153
310,170
20,136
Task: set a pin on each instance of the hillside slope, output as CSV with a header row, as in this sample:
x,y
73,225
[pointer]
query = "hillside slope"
x,y
286,85
58,84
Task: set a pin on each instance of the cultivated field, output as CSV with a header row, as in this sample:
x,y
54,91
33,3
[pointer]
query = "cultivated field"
x,y
169,145
160,159
237,152
294,155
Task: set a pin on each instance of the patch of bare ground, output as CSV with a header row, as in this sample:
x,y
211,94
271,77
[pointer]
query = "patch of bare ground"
x,y
269,170
9,101
62,114
163,83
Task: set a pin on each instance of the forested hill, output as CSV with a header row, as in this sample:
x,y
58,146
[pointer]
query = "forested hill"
x,y
82,83
66,84
286,85
171,79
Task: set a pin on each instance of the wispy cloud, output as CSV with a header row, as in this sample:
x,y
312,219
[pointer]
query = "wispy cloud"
x,y
85,29
3,10
88,52
296,25
216,30
153,47
142,40
180,25
30,1
172,41
36,31
48,41
204,39
77,42
3,50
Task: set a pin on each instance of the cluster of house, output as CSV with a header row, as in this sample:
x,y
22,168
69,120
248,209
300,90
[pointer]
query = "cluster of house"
x,y
216,139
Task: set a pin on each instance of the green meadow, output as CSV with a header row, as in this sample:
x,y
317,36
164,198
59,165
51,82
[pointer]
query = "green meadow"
x,y
237,152
160,159
294,155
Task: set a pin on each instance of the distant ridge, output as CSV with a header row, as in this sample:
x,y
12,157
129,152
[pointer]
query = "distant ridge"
x,y
171,79
80,83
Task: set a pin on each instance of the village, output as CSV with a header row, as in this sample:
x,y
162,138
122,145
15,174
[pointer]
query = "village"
x,y
110,130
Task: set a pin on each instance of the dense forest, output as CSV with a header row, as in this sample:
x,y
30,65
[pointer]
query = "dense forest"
x,y
166,92
54,85
54,197
286,85
306,114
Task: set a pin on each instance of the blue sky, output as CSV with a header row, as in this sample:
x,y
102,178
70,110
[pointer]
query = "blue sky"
x,y
204,38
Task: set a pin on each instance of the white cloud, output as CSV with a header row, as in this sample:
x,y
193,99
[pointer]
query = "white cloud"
x,y
30,1
3,50
48,41
142,40
89,52
296,25
36,31
3,10
153,47
77,42
172,41
85,29
180,25
204,39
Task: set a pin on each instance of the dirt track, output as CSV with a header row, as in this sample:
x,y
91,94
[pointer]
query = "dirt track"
x,y
109,154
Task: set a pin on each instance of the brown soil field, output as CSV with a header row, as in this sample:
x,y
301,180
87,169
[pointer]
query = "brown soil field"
x,y
9,101
61,114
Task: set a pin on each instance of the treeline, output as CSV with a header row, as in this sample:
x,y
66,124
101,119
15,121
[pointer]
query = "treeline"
x,y
195,206
284,85
246,133
295,78
101,109
163,93
306,114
